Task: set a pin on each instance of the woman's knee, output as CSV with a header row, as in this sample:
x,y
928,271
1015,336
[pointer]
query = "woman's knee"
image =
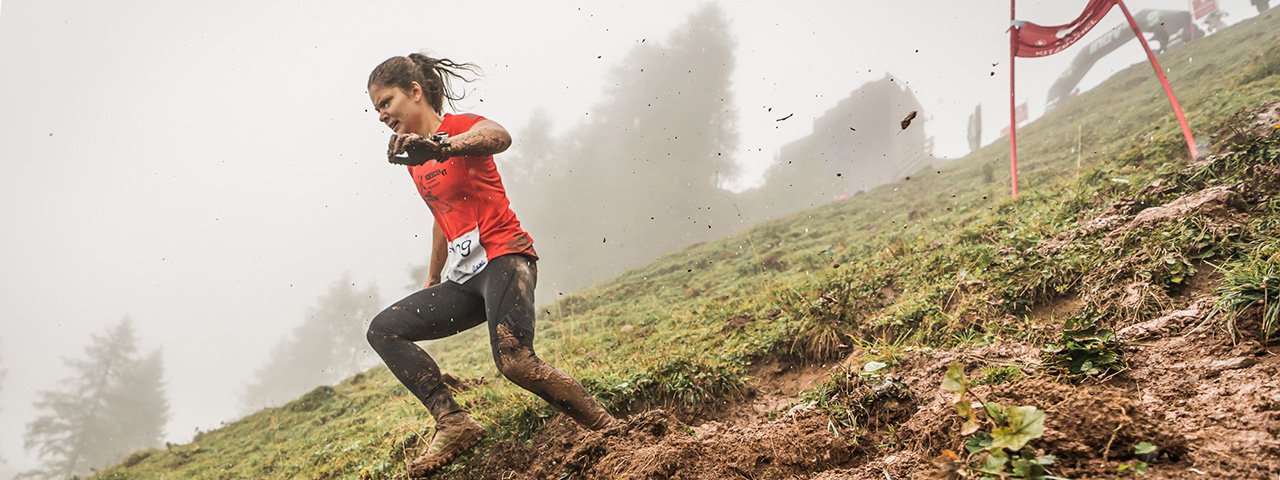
x,y
515,359
519,366
385,326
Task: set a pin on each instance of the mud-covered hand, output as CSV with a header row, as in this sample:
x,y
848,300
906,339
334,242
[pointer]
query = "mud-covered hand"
x,y
413,149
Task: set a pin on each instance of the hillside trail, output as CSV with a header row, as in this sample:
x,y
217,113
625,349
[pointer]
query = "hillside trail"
x,y
1211,406
1209,401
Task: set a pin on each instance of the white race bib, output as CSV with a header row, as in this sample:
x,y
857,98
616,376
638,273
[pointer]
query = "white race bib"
x,y
466,257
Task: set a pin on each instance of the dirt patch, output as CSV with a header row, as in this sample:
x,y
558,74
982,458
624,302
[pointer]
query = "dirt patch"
x,y
1221,397
772,388
1056,310
757,436
1216,202
655,445
1089,427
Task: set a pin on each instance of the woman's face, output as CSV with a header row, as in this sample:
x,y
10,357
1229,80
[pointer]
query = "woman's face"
x,y
399,110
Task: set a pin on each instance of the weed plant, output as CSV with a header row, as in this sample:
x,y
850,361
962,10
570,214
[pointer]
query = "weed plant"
x,y
1085,350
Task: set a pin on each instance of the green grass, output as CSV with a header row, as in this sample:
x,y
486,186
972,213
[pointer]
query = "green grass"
x,y
1252,280
944,258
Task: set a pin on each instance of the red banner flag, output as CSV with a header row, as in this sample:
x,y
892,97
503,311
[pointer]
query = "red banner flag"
x,y
1203,8
1040,41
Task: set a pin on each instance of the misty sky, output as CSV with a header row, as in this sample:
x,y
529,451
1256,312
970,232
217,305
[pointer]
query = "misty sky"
x,y
210,168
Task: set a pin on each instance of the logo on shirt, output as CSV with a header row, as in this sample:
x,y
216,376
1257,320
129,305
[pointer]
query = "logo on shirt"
x,y
435,173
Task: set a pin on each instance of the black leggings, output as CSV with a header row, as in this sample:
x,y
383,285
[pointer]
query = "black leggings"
x,y
502,294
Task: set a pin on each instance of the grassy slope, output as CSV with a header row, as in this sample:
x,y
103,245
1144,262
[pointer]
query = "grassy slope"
x,y
883,267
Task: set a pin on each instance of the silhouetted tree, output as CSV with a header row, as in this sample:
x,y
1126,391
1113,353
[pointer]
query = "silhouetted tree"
x,y
141,410
641,177
328,346
113,404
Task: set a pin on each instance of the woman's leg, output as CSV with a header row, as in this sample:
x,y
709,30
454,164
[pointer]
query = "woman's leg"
x,y
507,285
436,312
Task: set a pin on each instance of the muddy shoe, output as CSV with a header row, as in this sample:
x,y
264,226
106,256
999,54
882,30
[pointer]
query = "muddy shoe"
x,y
603,421
455,433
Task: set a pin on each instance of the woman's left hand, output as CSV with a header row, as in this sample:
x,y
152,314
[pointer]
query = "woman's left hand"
x,y
420,149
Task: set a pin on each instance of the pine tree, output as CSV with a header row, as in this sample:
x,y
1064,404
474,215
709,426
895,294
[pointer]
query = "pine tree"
x,y
643,176
113,404
141,410
328,346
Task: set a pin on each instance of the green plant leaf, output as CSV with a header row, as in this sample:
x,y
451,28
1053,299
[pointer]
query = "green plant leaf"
x,y
1143,448
1023,468
1023,424
954,380
873,366
997,413
978,442
994,461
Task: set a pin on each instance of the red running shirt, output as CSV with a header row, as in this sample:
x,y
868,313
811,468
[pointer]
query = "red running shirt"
x,y
466,193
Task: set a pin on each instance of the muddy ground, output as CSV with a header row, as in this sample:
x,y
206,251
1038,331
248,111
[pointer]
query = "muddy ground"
x,y
1211,405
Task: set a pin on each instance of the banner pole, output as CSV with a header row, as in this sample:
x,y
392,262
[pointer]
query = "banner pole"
x,y
1013,108
1164,82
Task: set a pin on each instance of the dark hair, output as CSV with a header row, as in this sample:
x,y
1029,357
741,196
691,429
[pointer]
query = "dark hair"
x,y
435,75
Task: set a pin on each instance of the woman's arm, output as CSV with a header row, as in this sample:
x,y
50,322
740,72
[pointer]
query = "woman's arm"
x,y
439,251
484,138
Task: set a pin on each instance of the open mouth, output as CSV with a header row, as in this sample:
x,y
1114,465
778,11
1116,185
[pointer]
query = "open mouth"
x,y
394,124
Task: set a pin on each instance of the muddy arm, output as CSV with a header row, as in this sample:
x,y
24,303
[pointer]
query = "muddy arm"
x,y
484,138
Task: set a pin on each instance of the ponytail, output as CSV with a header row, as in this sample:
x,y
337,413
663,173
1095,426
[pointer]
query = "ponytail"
x,y
434,75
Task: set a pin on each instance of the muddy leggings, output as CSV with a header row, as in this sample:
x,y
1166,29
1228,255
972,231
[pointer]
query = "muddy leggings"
x,y
502,295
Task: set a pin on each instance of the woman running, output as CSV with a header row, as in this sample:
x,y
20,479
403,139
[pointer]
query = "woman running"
x,y
483,267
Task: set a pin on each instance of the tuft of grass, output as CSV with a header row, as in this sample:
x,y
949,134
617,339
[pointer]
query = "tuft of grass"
x,y
1253,279
825,319
996,375
858,399
682,384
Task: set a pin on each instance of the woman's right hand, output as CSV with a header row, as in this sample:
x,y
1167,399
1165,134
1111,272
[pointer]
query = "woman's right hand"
x,y
420,149
431,280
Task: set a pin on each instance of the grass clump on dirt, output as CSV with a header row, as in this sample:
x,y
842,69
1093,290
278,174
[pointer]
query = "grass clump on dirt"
x,y
1253,280
860,400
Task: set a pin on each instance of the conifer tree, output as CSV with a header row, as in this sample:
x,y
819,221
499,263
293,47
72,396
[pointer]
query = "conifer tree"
x,y
112,404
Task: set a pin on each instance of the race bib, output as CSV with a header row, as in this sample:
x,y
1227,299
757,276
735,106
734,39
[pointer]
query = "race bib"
x,y
466,257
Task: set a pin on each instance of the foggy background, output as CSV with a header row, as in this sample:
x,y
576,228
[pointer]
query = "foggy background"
x,y
214,172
